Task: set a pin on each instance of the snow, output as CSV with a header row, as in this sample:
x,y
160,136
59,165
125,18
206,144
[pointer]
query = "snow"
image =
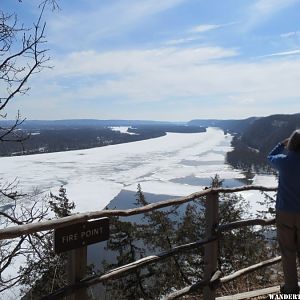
x,y
122,129
253,197
95,176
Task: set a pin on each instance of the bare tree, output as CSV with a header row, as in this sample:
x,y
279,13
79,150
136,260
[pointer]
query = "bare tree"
x,y
17,250
23,53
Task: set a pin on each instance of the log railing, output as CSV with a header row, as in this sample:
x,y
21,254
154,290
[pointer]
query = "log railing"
x,y
212,276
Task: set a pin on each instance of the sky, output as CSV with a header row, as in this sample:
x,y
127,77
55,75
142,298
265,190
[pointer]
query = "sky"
x,y
172,60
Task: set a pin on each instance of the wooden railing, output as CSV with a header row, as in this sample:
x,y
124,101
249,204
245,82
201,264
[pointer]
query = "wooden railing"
x,y
212,276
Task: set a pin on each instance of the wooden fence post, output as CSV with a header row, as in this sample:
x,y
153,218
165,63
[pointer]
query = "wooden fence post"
x,y
77,264
211,249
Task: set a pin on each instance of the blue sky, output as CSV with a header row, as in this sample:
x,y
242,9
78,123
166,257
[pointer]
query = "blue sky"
x,y
165,60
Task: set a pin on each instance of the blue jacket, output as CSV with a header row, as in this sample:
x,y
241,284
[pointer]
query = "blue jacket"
x,y
288,165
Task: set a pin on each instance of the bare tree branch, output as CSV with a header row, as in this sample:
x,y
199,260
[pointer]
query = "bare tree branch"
x,y
22,54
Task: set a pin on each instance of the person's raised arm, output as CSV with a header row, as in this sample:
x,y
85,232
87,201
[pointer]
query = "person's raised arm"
x,y
276,156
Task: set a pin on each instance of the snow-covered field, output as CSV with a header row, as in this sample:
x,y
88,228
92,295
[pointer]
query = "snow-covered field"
x,y
163,165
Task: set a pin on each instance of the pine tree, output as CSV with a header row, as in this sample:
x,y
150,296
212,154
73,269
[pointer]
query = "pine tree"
x,y
124,241
163,229
159,234
60,205
191,228
241,247
47,270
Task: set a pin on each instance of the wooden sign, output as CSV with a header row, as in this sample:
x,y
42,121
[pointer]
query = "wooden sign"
x,y
80,235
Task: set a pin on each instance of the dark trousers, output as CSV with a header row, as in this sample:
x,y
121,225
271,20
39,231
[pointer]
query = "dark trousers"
x,y
288,234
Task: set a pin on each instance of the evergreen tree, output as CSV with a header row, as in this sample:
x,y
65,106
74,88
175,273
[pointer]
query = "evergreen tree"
x,y
47,271
190,229
60,205
161,230
159,233
125,241
241,247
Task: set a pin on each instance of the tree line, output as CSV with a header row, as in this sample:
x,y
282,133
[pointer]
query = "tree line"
x,y
252,145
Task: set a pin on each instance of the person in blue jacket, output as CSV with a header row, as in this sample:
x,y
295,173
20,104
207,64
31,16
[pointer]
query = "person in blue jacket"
x,y
285,157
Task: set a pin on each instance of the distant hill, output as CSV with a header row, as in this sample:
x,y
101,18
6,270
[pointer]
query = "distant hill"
x,y
265,132
234,126
82,123
256,141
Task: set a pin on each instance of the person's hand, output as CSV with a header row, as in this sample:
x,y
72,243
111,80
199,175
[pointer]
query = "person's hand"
x,y
285,142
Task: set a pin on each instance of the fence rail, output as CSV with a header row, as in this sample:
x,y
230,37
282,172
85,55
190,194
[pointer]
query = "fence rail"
x,y
16,231
212,276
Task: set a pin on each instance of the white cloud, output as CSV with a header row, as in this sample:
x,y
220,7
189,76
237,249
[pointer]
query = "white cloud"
x,y
290,34
130,62
196,80
210,89
101,21
195,33
204,28
166,74
182,41
270,7
285,53
262,10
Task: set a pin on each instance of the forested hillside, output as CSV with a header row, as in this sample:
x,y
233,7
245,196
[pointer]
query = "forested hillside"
x,y
234,126
253,145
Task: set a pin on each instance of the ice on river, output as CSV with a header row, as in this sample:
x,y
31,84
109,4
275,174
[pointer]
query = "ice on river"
x,y
176,164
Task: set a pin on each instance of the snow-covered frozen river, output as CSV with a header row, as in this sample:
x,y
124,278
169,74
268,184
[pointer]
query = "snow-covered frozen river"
x,y
176,164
